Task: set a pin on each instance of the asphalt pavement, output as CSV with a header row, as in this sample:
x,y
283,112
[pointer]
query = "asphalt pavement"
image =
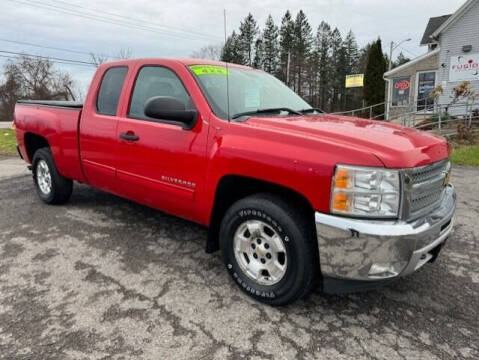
x,y
104,278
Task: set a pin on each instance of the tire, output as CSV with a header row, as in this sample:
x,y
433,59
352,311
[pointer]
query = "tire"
x,y
51,187
292,264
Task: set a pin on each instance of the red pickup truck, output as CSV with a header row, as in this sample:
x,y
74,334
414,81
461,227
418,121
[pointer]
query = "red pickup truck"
x,y
291,195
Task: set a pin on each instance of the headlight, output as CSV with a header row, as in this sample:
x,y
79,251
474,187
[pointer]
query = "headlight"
x,y
362,191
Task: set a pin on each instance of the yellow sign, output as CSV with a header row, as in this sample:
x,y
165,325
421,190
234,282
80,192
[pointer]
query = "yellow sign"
x,y
209,69
355,80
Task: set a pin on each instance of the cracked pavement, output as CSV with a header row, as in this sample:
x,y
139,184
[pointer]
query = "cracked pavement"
x,y
102,277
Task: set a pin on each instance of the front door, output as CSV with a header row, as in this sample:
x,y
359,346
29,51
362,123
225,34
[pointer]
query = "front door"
x,y
160,164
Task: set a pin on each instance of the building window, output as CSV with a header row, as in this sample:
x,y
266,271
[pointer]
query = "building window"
x,y
400,91
426,81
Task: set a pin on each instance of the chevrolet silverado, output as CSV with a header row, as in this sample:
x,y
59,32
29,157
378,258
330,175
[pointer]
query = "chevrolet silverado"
x,y
292,196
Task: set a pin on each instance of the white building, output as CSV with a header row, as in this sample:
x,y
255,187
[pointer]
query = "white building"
x,y
452,57
458,41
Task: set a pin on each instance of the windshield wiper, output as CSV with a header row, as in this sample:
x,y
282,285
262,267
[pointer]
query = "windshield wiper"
x,y
311,110
265,111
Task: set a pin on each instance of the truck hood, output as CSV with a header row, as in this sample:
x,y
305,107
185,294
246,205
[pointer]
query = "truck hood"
x,y
396,146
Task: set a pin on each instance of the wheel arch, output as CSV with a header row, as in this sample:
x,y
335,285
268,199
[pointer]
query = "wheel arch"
x,y
33,142
232,188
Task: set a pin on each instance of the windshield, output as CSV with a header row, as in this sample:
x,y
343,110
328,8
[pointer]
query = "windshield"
x,y
249,90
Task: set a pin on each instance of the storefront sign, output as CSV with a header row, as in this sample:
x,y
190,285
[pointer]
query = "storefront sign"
x,y
355,80
400,91
464,67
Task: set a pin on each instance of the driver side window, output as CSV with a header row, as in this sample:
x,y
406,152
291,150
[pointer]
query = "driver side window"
x,y
156,81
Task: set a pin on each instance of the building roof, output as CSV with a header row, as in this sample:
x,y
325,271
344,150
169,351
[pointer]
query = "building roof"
x,y
412,62
452,19
433,24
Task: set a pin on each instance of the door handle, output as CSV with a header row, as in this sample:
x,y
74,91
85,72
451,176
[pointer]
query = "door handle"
x,y
129,136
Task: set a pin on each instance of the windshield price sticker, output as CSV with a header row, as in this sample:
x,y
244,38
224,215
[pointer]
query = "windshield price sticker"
x,y
209,70
252,97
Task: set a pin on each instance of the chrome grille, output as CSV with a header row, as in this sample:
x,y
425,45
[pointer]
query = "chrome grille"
x,y
426,186
425,173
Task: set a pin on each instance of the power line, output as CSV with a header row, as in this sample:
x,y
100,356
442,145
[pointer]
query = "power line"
x,y
195,33
406,50
51,47
53,59
103,19
55,62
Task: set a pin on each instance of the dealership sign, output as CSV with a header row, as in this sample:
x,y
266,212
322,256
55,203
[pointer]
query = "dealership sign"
x,y
464,67
355,80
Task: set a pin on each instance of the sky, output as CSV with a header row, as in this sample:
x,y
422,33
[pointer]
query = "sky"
x,y
177,28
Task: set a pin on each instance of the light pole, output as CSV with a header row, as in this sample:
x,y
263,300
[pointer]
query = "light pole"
x,y
392,48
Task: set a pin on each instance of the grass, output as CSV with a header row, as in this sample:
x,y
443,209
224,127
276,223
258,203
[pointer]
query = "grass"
x,y
466,155
8,142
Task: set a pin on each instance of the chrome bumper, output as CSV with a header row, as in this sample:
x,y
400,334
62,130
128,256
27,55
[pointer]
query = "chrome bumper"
x,y
368,250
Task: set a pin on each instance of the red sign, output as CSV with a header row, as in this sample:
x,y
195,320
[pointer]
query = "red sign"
x,y
402,85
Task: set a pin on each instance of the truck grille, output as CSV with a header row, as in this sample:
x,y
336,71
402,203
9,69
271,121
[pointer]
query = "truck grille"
x,y
427,186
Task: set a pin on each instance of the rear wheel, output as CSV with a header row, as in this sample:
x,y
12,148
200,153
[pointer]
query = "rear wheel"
x,y
51,187
268,249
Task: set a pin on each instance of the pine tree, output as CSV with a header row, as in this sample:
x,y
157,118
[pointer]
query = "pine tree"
x,y
352,53
323,54
232,51
286,45
259,58
248,31
401,59
374,86
351,97
337,63
302,42
270,46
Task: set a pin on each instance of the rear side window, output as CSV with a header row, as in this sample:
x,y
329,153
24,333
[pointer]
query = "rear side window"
x,y
110,90
156,81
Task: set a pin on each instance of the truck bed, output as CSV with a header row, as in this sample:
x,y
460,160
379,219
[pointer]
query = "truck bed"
x,y
58,123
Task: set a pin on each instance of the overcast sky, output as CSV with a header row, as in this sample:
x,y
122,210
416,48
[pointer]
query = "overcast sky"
x,y
180,27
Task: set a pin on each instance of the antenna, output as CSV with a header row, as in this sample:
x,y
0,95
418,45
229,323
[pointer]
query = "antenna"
x,y
227,73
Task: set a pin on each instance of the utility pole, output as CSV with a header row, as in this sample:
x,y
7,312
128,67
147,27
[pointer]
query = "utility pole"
x,y
391,56
391,49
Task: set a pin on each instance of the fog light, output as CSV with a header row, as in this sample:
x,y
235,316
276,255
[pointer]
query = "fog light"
x,y
382,271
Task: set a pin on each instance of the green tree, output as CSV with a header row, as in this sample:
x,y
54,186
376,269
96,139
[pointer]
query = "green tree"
x,y
270,46
374,85
259,58
351,97
338,59
232,50
247,33
401,59
285,45
323,64
302,43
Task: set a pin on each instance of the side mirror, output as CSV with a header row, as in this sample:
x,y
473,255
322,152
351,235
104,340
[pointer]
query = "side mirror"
x,y
170,109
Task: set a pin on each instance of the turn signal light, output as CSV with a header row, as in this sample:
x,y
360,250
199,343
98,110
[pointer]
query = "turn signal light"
x,y
341,179
340,202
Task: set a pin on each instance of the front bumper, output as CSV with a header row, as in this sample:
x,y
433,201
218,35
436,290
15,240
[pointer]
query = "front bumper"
x,y
361,251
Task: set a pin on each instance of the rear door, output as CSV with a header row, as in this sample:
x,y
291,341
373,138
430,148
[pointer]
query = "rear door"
x,y
159,163
98,125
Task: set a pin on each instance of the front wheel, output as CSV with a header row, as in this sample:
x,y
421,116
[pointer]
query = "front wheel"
x,y
51,187
269,249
